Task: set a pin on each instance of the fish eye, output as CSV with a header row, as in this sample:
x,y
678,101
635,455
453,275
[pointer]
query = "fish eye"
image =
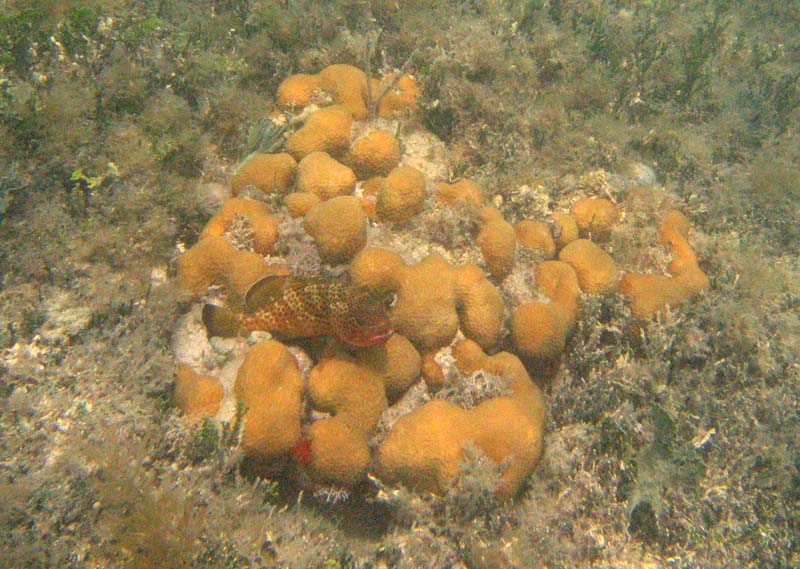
x,y
389,301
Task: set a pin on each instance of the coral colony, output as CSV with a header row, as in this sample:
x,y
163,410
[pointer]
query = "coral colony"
x,y
359,182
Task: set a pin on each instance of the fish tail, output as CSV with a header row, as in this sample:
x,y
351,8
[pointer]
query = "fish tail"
x,y
220,321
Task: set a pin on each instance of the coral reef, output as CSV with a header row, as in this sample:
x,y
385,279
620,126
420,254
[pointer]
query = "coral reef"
x,y
443,303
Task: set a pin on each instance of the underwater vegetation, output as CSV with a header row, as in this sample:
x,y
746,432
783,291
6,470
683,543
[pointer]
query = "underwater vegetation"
x,y
670,435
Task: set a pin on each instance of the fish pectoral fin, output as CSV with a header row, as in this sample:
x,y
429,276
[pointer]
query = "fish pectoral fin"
x,y
265,291
220,321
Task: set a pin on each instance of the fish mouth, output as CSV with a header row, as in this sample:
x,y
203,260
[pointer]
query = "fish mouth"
x,y
375,338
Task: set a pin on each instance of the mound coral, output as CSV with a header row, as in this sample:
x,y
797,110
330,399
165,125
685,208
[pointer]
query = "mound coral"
x,y
348,87
433,298
597,272
497,242
267,172
214,260
465,191
298,203
262,226
326,130
397,362
375,154
366,215
401,195
398,98
650,294
338,227
425,448
320,174
535,235
196,395
344,84
355,397
297,91
269,386
479,305
595,216
539,330
566,229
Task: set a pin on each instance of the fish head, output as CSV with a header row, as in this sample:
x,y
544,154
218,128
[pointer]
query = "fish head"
x,y
367,323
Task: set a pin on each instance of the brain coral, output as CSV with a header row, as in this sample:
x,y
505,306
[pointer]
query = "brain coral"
x,y
330,414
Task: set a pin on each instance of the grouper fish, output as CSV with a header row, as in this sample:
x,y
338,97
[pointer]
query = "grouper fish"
x,y
299,307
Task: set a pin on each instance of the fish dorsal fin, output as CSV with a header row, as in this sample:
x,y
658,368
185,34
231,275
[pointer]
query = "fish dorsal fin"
x,y
265,291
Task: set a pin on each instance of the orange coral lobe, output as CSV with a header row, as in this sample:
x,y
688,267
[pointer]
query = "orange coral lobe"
x,y
263,226
297,91
650,294
535,235
463,191
196,395
595,216
376,154
597,272
268,172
